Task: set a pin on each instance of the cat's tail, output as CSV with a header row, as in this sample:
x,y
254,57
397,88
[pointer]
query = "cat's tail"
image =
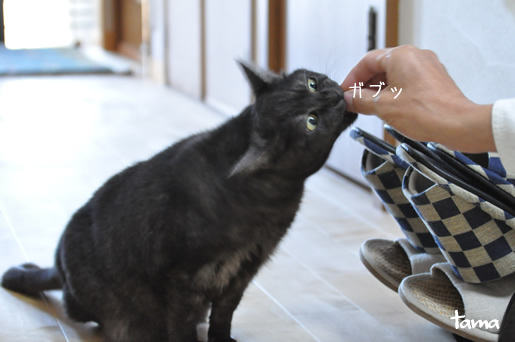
x,y
30,279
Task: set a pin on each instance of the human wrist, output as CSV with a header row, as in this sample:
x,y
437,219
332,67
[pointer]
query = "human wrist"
x,y
471,131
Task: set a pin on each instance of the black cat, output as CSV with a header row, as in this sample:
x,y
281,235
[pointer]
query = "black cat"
x,y
164,241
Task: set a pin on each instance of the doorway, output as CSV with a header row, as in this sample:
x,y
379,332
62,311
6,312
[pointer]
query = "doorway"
x,y
31,24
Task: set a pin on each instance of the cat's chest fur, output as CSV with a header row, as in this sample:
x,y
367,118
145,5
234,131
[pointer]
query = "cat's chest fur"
x,y
216,275
195,217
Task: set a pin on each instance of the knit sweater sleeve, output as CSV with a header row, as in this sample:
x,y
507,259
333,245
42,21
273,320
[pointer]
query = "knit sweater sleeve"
x,y
503,126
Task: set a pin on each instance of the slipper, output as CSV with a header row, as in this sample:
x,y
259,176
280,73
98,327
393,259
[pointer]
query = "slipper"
x,y
392,261
384,171
487,165
474,235
473,311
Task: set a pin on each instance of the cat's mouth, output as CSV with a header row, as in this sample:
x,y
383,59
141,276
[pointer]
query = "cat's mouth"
x,y
348,117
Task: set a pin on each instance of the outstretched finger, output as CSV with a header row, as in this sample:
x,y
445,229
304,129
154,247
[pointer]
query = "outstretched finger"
x,y
373,102
364,104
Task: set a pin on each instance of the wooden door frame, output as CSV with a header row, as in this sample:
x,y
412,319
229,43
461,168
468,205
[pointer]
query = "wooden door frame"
x,y
2,32
111,28
110,20
277,10
277,35
392,23
391,40
203,61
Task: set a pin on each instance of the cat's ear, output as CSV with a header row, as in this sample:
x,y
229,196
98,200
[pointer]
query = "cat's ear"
x,y
254,158
251,161
259,79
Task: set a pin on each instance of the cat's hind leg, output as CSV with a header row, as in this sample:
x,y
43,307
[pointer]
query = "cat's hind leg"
x,y
75,310
132,310
30,279
145,328
185,310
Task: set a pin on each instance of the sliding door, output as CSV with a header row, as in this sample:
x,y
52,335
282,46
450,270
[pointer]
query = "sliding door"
x,y
330,37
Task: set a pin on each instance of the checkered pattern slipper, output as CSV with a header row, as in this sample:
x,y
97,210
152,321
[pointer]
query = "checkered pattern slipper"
x,y
384,171
473,311
475,236
493,171
392,261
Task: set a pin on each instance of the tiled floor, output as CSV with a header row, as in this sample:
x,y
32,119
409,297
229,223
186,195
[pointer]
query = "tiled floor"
x,y
61,137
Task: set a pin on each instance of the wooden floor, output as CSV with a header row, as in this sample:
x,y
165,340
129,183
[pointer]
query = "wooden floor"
x,y
61,137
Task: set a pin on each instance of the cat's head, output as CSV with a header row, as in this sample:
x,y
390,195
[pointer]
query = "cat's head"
x,y
296,120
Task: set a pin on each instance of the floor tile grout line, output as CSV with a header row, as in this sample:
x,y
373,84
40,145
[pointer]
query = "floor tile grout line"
x,y
54,313
282,307
327,234
13,233
25,256
331,286
374,226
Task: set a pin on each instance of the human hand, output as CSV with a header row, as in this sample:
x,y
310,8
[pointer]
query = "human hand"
x,y
430,107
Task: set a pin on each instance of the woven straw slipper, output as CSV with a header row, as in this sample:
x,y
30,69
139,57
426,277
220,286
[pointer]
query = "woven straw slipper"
x,y
392,261
473,311
476,236
384,171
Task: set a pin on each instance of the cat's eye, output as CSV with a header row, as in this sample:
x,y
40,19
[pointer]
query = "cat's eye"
x,y
312,84
312,122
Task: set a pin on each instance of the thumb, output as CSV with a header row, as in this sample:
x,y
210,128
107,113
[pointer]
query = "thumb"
x,y
364,104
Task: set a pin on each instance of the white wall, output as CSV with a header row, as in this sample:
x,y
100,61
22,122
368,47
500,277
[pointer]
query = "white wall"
x,y
474,39
330,36
228,37
27,24
157,41
262,33
184,46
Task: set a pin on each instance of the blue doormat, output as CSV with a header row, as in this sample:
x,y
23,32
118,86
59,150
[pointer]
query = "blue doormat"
x,y
47,62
